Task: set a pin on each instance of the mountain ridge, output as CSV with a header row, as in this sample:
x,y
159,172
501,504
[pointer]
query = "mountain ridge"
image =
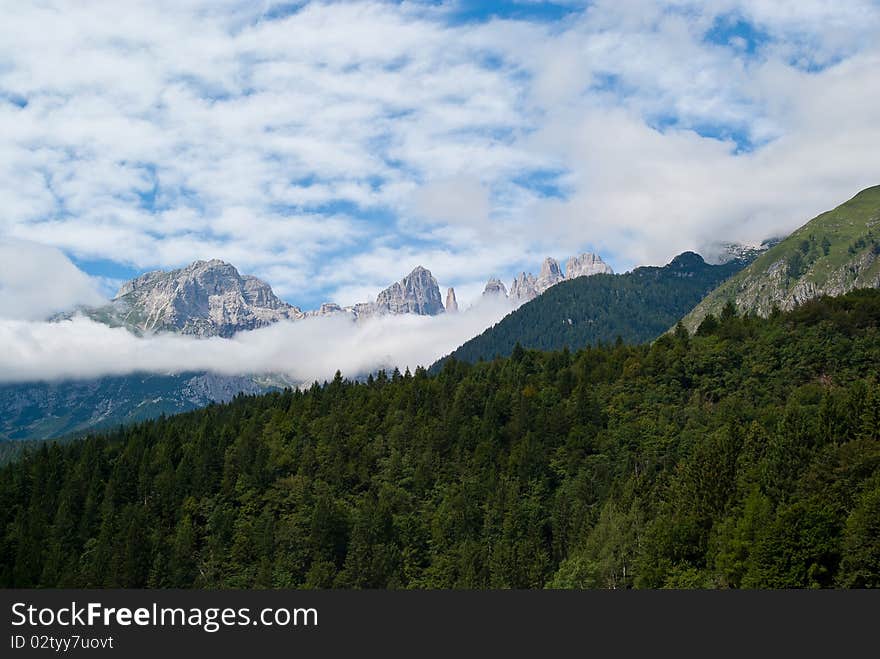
x,y
211,298
835,252
638,306
526,286
204,298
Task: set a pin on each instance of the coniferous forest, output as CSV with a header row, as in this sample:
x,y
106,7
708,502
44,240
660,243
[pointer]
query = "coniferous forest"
x,y
637,306
744,456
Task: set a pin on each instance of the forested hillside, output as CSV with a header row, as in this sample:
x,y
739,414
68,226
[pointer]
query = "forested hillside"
x,y
49,410
747,455
637,306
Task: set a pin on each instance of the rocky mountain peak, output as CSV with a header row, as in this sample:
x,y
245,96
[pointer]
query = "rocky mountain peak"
x,y
328,309
417,293
585,265
550,268
495,287
205,298
550,275
524,287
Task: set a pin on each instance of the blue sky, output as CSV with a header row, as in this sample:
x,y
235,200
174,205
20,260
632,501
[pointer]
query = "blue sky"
x,y
330,147
465,12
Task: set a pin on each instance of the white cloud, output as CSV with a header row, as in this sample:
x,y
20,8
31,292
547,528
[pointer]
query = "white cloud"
x,y
155,133
306,350
459,199
36,281
650,194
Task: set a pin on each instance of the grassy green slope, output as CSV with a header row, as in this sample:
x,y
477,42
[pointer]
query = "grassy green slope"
x,y
834,253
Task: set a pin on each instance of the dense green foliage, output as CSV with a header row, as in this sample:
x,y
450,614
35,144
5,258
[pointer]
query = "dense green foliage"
x,y
13,449
745,456
637,306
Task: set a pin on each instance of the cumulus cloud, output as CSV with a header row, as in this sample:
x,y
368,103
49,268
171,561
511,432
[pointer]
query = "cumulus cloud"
x,y
36,280
460,199
308,142
304,351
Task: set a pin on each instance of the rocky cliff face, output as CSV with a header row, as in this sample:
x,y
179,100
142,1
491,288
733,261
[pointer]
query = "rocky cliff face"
x,y
527,287
495,287
524,288
586,265
206,298
832,254
550,275
417,293
328,309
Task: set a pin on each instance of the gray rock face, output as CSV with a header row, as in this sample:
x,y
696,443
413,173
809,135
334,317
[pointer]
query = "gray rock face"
x,y
524,288
550,275
417,293
773,288
206,298
585,265
451,302
328,309
495,287
527,287
363,309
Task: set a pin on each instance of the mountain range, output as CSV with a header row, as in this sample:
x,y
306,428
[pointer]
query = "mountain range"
x,y
211,298
204,299
584,305
526,286
636,306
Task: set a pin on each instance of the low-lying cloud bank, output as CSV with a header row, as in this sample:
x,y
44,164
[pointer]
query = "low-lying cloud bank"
x,y
304,351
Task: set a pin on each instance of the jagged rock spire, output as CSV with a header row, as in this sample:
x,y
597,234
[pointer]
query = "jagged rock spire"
x,y
550,275
524,287
495,287
451,302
